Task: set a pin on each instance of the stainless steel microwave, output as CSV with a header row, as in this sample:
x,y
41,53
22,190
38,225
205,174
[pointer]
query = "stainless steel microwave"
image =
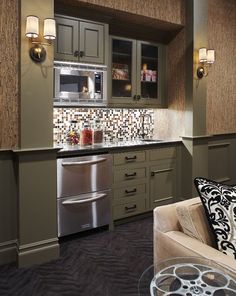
x,y
79,84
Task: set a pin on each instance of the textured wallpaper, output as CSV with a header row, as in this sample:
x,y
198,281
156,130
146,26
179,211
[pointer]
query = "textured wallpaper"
x,y
221,81
169,123
171,11
9,89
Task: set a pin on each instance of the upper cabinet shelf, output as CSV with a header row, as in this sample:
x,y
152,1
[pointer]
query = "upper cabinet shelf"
x,y
137,73
121,54
80,41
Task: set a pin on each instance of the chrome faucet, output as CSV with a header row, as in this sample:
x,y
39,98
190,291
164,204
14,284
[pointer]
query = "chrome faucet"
x,y
143,134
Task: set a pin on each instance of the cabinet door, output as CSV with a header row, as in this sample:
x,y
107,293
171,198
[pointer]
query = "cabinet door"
x,y
162,184
91,42
150,73
66,43
123,70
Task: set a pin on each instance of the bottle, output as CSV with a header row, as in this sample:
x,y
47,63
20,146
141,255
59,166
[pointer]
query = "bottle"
x,y
72,136
97,132
86,135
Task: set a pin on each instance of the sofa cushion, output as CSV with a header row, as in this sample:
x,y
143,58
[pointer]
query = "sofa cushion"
x,y
193,220
219,202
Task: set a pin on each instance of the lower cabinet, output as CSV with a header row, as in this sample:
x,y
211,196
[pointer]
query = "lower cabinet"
x,y
142,180
162,172
132,206
130,190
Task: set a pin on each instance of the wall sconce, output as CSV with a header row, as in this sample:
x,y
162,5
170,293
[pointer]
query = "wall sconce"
x,y
37,51
206,59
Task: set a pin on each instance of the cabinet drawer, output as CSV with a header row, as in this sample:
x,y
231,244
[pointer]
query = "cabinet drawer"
x,y
162,153
129,157
129,174
127,191
129,209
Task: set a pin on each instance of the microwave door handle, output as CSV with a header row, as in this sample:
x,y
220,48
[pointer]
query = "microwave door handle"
x,y
57,83
81,201
76,163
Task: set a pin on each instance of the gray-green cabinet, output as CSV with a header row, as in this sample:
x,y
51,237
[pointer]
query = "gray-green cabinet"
x,y
142,180
130,188
137,73
222,159
162,172
80,41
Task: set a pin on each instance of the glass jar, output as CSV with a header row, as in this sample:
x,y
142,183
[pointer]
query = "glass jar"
x,y
86,135
97,132
72,135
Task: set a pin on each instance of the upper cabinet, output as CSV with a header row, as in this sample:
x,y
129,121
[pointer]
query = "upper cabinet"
x,y
80,40
137,72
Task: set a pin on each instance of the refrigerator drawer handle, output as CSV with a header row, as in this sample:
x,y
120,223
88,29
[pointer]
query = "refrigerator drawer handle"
x,y
81,201
76,163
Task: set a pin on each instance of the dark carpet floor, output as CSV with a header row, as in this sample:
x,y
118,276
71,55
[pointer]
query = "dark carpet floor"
x,y
101,263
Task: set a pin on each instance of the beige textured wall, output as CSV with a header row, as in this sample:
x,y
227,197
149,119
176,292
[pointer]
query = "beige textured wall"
x,y
167,10
221,86
9,60
169,123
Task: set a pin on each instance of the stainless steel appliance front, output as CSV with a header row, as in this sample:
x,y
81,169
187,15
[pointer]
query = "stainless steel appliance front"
x,y
76,84
83,192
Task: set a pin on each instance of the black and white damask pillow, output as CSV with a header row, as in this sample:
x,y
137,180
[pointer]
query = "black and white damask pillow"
x,y
219,201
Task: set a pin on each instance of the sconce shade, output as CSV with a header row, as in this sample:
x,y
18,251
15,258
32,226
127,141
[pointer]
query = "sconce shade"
x,y
202,55
32,26
210,56
49,30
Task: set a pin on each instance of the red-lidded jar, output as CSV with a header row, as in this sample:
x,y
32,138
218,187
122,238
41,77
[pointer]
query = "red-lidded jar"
x,y
86,135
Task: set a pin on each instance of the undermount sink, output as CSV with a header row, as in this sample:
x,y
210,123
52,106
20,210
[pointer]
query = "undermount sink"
x,y
151,140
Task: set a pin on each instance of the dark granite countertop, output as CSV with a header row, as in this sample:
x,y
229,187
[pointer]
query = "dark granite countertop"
x,y
73,150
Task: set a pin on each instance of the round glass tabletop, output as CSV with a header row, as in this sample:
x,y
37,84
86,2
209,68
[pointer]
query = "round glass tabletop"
x,y
190,276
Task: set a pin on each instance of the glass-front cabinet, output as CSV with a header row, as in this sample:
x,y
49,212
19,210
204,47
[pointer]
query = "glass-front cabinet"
x,y
123,68
137,73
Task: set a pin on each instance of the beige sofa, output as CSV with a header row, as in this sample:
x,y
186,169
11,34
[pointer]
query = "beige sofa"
x,y
192,237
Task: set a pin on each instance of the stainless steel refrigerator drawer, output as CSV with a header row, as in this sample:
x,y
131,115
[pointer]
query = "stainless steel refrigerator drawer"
x,y
83,212
78,175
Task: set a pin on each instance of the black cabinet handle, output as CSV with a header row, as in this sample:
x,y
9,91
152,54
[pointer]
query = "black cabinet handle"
x,y
130,175
76,53
130,209
130,158
130,191
135,98
138,97
153,173
81,54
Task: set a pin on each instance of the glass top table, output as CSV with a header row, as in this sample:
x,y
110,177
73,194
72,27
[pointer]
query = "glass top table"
x,y
189,276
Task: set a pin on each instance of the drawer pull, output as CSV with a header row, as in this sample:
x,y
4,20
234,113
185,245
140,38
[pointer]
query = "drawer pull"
x,y
84,162
153,173
85,200
130,209
131,191
130,158
130,175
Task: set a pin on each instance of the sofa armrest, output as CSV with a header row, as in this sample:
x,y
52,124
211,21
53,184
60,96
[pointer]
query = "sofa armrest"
x,y
165,218
178,244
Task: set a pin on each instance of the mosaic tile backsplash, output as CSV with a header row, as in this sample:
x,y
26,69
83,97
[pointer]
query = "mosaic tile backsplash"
x,y
118,124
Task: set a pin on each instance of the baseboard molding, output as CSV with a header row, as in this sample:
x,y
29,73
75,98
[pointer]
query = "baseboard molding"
x,y
38,252
8,252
